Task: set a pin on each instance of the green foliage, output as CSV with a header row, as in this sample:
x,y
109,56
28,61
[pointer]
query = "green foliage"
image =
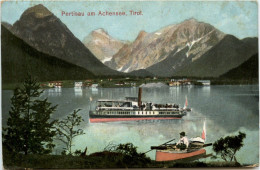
x,y
197,83
96,162
67,129
228,146
77,152
29,129
129,156
63,152
118,156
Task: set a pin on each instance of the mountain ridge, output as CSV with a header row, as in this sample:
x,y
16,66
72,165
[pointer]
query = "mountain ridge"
x,y
190,48
19,58
151,48
227,54
45,32
247,70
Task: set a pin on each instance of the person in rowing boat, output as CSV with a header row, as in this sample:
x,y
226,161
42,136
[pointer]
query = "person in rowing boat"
x,y
183,141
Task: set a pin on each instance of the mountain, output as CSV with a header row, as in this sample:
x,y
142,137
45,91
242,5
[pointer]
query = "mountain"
x,y
102,45
7,25
140,73
247,70
42,30
19,58
229,53
190,37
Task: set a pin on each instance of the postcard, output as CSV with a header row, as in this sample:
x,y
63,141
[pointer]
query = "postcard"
x,y
129,84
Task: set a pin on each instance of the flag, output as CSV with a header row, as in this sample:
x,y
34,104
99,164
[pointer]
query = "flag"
x,y
203,135
186,102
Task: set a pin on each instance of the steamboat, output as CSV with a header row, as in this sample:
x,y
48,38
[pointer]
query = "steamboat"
x,y
133,109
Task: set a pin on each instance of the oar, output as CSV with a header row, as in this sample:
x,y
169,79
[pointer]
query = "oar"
x,y
208,144
167,142
159,145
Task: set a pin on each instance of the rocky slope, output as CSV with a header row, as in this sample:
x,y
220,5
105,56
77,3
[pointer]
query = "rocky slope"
x,y
191,37
42,30
102,45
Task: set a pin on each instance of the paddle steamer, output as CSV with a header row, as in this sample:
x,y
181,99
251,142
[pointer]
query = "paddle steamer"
x,y
132,108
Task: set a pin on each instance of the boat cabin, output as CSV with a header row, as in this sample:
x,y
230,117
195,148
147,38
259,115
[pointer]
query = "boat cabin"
x,y
116,104
132,99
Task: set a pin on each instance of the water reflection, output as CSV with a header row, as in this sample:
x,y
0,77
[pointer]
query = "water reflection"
x,y
56,91
94,90
226,109
78,91
206,90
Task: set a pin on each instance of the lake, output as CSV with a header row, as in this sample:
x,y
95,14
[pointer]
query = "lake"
x,y
226,110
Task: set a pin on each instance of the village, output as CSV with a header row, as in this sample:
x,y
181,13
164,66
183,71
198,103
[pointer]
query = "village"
x,y
123,82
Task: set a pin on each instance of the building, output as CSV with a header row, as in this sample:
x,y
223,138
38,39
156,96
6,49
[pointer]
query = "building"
x,y
55,84
120,83
43,85
78,84
94,86
174,83
88,83
204,82
179,82
133,84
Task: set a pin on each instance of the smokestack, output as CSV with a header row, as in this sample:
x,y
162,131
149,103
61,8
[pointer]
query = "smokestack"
x,y
140,97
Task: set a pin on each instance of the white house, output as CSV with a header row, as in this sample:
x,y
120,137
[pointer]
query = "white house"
x,y
78,84
204,82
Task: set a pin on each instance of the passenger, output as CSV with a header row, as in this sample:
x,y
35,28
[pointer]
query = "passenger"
x,y
183,140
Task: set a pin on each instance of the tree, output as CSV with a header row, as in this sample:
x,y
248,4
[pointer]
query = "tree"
x,y
228,146
67,129
29,128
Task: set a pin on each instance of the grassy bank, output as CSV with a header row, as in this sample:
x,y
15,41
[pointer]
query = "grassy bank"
x,y
101,160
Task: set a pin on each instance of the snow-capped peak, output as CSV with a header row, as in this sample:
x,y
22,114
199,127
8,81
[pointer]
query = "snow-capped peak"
x,y
101,31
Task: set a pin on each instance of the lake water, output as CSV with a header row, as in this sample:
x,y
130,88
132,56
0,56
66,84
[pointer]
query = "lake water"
x,y
226,110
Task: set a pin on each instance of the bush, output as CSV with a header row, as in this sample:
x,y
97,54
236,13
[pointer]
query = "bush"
x,y
228,146
127,156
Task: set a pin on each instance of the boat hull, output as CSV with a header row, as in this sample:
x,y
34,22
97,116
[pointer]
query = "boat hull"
x,y
112,118
162,155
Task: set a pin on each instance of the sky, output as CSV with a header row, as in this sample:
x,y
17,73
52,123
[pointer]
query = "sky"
x,y
239,18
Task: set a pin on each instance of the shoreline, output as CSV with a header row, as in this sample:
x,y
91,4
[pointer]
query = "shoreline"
x,y
70,84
